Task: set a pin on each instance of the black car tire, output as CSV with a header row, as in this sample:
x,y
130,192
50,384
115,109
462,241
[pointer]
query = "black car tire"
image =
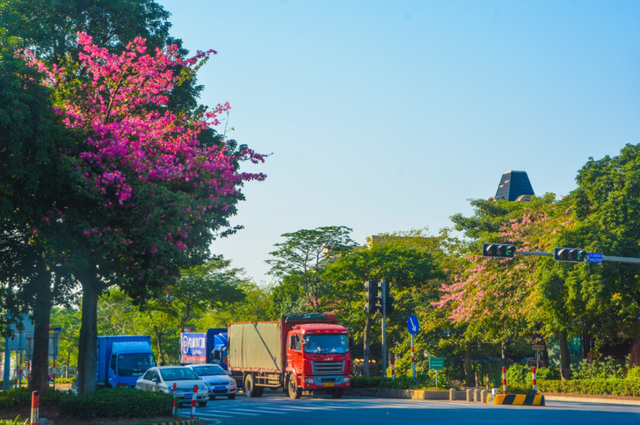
x,y
231,396
250,389
294,391
202,404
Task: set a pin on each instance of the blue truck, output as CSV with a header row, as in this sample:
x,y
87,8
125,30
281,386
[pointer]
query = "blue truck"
x,y
208,347
122,359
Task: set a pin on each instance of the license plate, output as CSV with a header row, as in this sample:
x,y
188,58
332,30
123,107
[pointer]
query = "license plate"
x,y
328,384
220,388
188,395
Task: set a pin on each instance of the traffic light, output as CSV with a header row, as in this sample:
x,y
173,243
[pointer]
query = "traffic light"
x,y
389,301
498,250
569,255
370,293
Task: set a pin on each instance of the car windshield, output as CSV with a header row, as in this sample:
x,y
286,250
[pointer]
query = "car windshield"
x,y
134,364
325,344
209,370
178,374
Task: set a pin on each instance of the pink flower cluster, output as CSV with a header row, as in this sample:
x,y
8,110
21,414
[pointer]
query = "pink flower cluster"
x,y
122,105
131,133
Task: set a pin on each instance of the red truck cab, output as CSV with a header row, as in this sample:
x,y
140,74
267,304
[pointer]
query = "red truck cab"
x,y
318,359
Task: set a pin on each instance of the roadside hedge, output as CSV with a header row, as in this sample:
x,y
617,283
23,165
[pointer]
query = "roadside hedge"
x,y
613,386
117,403
20,397
16,421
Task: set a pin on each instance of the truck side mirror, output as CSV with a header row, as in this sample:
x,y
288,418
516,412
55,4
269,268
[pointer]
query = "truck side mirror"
x,y
351,343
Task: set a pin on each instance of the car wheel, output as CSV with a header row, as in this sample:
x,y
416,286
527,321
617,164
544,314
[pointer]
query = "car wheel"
x,y
250,388
294,391
202,404
231,396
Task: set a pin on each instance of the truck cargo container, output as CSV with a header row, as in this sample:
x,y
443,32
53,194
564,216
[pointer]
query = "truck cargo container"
x,y
122,359
299,352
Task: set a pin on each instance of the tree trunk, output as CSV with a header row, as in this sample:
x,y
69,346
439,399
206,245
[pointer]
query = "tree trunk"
x,y
545,356
565,360
367,345
41,317
586,343
87,346
159,345
467,368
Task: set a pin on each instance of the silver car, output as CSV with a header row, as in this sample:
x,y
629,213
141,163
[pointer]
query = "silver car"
x,y
161,379
219,381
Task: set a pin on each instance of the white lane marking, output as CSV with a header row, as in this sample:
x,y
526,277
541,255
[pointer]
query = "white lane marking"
x,y
213,415
263,410
235,412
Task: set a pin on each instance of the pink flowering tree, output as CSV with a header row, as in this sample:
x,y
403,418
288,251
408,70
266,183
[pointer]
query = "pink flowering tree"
x,y
499,299
159,185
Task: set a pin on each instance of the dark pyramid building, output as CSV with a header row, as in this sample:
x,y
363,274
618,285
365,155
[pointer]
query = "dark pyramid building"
x,y
515,186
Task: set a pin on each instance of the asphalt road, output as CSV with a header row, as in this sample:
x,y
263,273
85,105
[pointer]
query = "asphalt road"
x,y
276,409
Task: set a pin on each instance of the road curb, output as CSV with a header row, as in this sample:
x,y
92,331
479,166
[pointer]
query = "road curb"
x,y
196,421
594,400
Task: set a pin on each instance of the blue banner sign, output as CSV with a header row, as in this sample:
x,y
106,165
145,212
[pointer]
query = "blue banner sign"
x,y
193,348
594,258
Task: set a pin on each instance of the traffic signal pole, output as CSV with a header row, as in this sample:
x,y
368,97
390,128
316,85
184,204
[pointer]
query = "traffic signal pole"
x,y
605,258
384,328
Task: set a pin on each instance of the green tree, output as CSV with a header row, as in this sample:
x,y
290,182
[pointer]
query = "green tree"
x,y
404,268
300,258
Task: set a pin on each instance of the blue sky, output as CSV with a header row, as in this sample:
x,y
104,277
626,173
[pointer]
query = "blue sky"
x,y
386,116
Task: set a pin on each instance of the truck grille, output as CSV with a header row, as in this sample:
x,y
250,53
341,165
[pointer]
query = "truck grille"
x,y
327,368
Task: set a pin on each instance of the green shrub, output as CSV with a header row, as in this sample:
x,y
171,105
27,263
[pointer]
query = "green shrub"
x,y
633,373
21,397
599,369
618,387
65,380
407,382
16,421
365,382
519,375
546,373
117,403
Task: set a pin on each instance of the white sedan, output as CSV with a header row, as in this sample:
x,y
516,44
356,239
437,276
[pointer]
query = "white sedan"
x,y
219,382
161,379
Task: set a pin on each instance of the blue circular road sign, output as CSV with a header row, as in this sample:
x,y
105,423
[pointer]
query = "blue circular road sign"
x,y
413,325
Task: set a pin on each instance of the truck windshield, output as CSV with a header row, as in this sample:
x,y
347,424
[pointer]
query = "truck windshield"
x,y
134,364
325,344
209,370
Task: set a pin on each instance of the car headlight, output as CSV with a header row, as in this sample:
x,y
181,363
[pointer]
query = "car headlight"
x,y
233,384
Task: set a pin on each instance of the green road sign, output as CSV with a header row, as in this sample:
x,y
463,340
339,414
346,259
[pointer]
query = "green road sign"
x,y
436,363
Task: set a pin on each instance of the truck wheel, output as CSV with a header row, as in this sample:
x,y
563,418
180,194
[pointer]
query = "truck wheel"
x,y
250,388
337,393
294,392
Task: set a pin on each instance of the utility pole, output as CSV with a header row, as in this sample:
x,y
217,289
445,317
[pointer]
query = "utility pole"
x,y
384,327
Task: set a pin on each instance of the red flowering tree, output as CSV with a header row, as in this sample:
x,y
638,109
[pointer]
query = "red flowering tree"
x,y
158,184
